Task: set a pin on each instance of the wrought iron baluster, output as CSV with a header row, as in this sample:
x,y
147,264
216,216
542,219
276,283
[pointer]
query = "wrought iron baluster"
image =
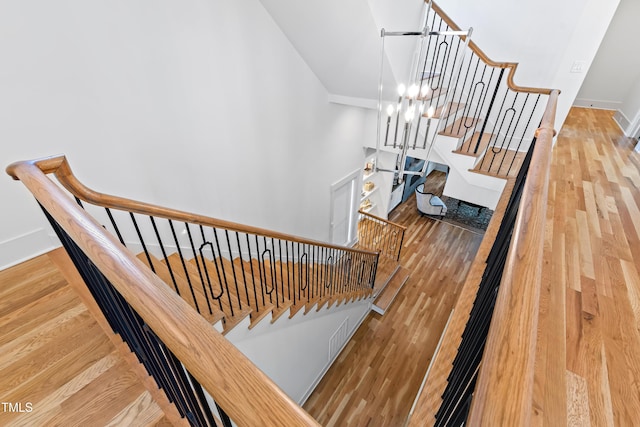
x,y
184,265
253,274
144,246
197,261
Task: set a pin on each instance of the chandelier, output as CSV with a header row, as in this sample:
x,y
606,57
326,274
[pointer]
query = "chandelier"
x,y
412,119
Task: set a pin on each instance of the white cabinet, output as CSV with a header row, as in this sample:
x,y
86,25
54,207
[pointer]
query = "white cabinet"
x,y
396,197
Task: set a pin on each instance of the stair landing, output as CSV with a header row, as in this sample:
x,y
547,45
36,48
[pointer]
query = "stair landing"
x,y
55,355
388,294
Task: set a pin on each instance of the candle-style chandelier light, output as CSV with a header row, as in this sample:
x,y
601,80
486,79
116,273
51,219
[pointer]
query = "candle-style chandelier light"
x,y
410,120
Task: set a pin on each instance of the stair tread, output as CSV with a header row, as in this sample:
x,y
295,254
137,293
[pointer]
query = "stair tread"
x,y
232,303
389,293
434,93
468,146
242,286
295,308
460,127
213,316
454,107
427,75
386,269
500,163
229,314
279,311
143,411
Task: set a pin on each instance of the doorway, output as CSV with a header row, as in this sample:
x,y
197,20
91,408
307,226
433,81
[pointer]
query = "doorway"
x,y
344,202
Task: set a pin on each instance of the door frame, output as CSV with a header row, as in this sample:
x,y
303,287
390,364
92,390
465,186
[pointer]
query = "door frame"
x,y
353,178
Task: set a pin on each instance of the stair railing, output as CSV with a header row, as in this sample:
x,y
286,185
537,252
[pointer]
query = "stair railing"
x,y
483,371
222,267
485,109
380,235
498,113
159,323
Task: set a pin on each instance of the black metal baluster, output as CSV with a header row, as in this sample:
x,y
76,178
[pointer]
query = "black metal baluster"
x,y
280,268
221,271
513,129
263,273
524,132
486,120
259,258
144,246
493,132
115,227
184,265
197,261
204,244
244,276
461,380
273,270
253,274
288,270
504,146
233,268
126,322
164,254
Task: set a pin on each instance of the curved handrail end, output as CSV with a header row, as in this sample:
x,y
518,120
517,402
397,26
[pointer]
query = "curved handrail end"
x,y
47,165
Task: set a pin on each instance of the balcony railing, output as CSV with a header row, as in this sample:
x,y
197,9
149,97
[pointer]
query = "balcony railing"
x,y
482,373
190,269
473,98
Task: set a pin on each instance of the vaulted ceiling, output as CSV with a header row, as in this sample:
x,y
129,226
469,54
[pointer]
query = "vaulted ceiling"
x,y
341,43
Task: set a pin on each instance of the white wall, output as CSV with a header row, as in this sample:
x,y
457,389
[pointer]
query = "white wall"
x,y
615,67
545,37
294,353
199,105
630,108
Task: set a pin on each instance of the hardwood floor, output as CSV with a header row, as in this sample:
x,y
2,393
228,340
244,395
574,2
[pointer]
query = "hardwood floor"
x,y
588,354
57,365
377,376
588,358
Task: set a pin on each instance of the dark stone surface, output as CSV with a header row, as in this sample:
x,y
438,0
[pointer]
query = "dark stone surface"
x,y
468,216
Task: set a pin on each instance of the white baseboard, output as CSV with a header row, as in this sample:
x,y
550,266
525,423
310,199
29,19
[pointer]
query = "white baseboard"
x,y
597,104
22,248
622,120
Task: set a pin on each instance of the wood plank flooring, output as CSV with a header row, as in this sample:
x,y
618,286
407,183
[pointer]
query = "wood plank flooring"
x,y
56,361
588,358
376,378
500,163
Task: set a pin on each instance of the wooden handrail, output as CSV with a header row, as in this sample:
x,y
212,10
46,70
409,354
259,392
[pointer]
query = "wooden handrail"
x,y
385,242
221,368
503,393
395,224
474,47
430,397
59,166
504,389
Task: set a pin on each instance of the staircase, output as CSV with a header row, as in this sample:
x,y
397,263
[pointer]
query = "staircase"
x,y
207,274
229,272
472,117
385,237
227,291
